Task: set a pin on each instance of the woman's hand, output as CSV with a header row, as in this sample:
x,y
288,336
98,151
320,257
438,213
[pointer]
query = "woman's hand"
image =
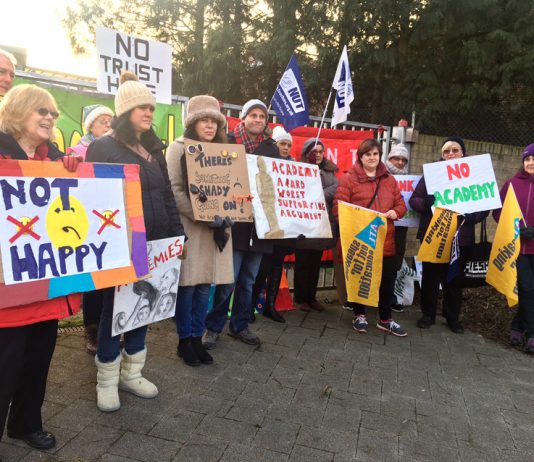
x,y
391,214
71,162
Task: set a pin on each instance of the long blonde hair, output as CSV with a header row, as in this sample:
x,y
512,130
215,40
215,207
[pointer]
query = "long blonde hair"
x,y
19,103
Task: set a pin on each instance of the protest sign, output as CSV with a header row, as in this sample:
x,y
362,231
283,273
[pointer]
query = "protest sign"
x,y
437,243
288,199
218,181
363,233
407,184
463,185
154,299
502,270
150,61
59,237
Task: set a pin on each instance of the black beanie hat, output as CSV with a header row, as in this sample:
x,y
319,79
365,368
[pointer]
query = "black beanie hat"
x,y
456,139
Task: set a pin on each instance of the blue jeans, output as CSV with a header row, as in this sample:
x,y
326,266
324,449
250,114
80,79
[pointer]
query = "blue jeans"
x,y
246,267
108,346
191,309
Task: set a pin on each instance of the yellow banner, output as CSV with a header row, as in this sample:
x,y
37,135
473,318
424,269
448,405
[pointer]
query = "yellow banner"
x,y
436,246
502,271
363,233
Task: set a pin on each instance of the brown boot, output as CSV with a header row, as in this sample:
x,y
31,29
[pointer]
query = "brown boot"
x,y
91,335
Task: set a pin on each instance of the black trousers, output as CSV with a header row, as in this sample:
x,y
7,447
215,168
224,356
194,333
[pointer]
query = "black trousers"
x,y
385,294
306,278
25,355
270,271
92,307
524,319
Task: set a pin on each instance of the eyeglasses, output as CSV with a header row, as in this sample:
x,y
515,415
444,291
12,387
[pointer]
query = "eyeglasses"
x,y
451,151
201,194
42,111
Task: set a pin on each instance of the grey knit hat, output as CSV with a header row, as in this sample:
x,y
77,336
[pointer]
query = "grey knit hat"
x,y
253,104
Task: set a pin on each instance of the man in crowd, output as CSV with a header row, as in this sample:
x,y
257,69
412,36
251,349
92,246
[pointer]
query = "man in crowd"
x,y
251,132
7,72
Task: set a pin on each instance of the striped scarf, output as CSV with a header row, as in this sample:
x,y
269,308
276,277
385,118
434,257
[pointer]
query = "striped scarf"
x,y
241,137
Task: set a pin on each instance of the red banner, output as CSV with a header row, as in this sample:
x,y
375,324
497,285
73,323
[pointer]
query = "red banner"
x,y
340,145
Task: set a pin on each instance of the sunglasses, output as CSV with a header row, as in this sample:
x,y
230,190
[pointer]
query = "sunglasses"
x,y
451,151
201,194
195,148
44,112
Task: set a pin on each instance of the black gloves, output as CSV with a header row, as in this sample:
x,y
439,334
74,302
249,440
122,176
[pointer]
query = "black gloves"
x,y
220,236
526,233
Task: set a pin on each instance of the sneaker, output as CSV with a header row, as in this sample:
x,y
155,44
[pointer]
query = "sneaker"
x,y
391,327
360,324
397,308
210,339
529,348
346,306
246,336
516,338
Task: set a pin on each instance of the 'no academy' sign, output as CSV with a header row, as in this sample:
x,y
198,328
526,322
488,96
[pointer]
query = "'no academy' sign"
x,y
150,61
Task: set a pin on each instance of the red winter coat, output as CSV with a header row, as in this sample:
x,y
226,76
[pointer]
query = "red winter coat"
x,y
56,308
355,187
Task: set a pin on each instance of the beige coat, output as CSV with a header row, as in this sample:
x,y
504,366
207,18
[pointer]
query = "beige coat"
x,y
204,263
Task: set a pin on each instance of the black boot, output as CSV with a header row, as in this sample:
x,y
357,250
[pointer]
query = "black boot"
x,y
186,351
202,354
273,284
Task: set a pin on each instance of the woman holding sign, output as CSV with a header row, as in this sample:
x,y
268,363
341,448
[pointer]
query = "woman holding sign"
x,y
523,184
28,332
435,274
368,184
209,248
132,142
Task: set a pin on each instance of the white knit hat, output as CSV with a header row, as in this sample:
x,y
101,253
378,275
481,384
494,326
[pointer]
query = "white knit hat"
x,y
132,94
280,134
253,104
399,150
91,113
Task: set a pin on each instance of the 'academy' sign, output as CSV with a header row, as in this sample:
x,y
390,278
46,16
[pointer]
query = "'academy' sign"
x,y
464,185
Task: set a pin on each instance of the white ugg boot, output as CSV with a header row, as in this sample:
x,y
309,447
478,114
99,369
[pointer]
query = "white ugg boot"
x,y
107,381
131,379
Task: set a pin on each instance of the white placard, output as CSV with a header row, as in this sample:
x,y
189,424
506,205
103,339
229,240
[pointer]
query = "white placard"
x,y
407,184
288,199
464,185
150,61
56,227
147,301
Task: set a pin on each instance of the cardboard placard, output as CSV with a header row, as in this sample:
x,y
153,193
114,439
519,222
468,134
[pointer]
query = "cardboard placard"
x,y
288,199
151,300
218,181
150,61
59,237
463,185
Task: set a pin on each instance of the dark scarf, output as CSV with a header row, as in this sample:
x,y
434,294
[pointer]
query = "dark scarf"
x,y
241,137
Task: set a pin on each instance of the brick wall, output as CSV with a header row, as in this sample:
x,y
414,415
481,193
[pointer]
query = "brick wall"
x,y
506,161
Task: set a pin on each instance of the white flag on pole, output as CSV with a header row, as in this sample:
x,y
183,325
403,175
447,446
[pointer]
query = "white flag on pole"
x,y
343,86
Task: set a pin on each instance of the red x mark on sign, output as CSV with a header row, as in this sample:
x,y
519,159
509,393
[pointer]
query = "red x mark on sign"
x,y
23,228
106,221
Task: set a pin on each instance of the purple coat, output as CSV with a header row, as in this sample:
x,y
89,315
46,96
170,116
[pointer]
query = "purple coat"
x,y
523,184
422,202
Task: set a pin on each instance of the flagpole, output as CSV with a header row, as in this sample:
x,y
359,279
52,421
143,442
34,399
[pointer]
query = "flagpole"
x,y
324,114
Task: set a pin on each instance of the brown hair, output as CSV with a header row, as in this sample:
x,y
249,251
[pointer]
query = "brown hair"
x,y
366,145
19,103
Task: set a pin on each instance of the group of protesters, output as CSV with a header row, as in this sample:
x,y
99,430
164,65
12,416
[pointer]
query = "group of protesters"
x,y
227,255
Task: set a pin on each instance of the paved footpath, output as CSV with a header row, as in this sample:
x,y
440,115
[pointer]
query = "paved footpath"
x,y
314,391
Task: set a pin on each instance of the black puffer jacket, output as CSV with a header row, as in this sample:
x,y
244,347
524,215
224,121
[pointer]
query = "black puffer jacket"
x,y
161,214
245,233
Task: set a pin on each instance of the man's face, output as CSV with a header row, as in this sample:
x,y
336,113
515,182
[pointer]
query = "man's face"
x,y
255,122
7,75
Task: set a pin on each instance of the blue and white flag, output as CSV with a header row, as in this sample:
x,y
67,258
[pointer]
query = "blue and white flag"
x,y
289,100
343,86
